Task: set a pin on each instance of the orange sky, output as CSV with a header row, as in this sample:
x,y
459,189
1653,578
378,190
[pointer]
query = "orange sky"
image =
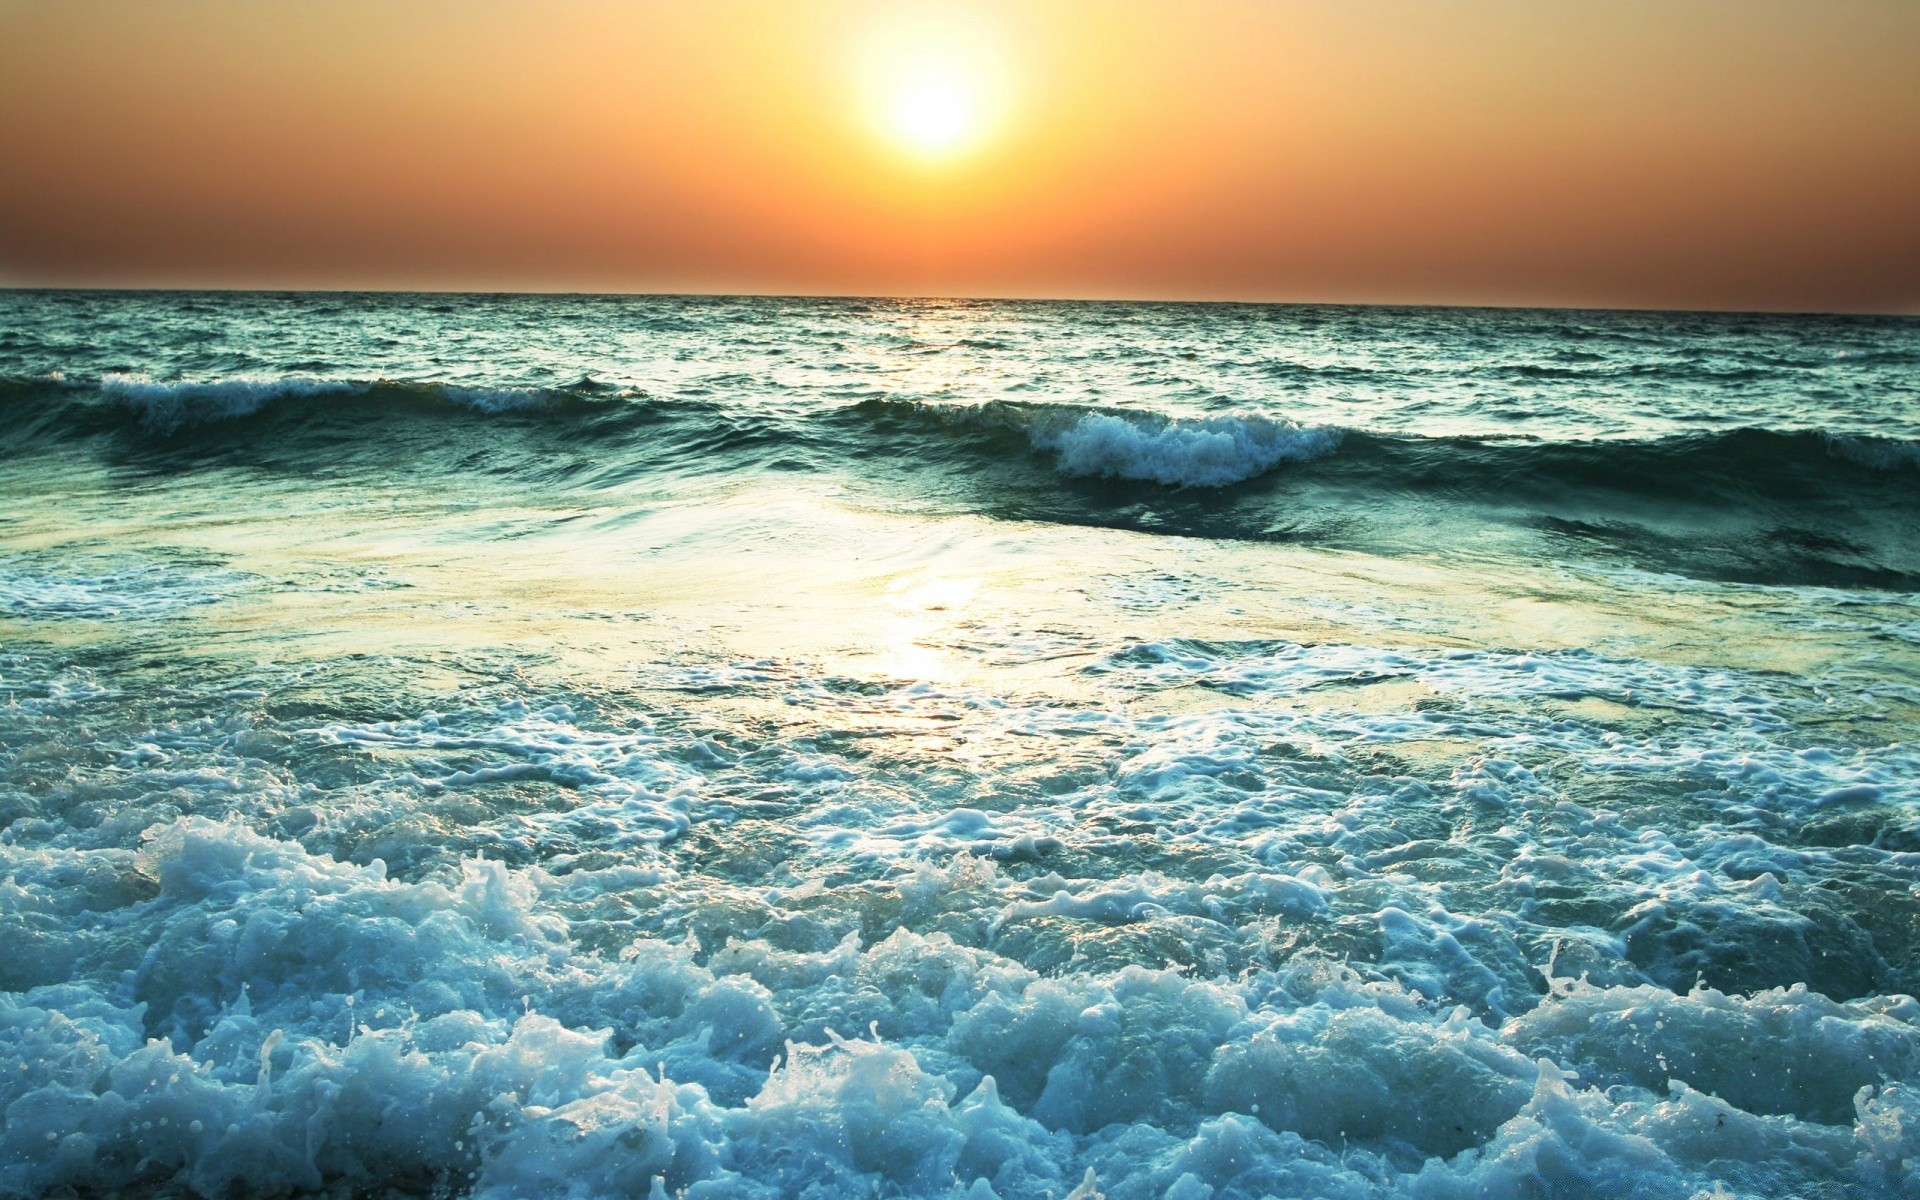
x,y
1681,153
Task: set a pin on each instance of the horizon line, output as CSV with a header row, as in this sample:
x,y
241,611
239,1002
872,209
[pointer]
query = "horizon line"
x,y
954,298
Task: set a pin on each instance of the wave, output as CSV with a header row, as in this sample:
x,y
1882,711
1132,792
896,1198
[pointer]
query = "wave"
x,y
1172,451
1750,505
1883,453
1177,452
1768,506
60,403
1218,452
172,406
168,407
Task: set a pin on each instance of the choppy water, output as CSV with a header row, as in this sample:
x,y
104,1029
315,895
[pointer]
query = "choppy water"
x,y
545,746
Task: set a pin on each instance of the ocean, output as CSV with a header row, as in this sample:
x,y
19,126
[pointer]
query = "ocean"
x,y
590,746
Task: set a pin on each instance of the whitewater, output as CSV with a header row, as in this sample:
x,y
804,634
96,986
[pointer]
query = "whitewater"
x,y
548,746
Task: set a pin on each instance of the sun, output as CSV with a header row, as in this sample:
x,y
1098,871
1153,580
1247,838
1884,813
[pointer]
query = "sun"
x,y
933,82
935,107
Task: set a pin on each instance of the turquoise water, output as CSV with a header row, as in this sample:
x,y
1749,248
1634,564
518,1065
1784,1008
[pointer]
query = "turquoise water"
x,y
589,745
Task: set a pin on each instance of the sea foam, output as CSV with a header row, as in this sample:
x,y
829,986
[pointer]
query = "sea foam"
x,y
170,406
106,588
372,995
1207,452
295,1020
167,407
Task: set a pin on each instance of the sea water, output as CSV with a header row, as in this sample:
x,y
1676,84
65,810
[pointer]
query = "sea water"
x,y
621,746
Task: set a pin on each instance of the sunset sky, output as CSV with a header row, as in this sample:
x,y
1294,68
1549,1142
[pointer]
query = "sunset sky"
x,y
1750,154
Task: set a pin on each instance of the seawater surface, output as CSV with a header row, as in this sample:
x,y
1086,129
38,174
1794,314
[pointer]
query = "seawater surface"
x,y
593,746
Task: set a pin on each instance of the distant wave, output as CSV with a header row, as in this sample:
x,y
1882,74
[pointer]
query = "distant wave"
x,y
1886,454
171,406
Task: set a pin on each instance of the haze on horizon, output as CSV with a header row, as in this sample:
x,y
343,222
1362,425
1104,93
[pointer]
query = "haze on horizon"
x,y
1688,154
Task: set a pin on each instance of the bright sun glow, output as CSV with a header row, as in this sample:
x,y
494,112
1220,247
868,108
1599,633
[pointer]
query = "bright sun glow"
x,y
933,81
935,108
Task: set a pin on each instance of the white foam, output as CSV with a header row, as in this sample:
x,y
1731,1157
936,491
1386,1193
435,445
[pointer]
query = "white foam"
x,y
170,406
628,794
299,1020
108,589
167,407
1182,451
929,994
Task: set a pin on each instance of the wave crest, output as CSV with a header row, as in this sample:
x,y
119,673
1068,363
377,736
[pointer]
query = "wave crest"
x,y
1181,451
168,407
1885,454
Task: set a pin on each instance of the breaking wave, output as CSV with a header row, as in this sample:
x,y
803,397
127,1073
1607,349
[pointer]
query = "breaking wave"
x,y
257,981
1142,445
304,1021
1190,452
167,408
1758,505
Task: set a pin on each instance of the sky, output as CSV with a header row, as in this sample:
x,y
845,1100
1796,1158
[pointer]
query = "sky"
x,y
1758,154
